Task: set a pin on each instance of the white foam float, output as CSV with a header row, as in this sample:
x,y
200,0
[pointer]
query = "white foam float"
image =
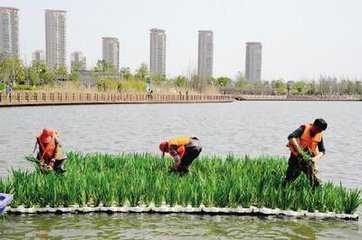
x,y
165,209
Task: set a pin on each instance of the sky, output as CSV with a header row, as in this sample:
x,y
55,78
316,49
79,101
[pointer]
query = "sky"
x,y
301,39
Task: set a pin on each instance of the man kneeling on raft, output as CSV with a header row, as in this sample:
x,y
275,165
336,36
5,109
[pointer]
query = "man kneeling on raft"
x,y
183,150
50,154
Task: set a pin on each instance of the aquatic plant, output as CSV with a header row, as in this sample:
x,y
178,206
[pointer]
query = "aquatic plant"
x,y
142,179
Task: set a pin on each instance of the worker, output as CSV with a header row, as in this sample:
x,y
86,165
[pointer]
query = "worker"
x,y
50,154
184,150
307,147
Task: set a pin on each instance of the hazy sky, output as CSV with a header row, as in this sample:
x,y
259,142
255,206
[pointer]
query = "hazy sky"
x,y
301,38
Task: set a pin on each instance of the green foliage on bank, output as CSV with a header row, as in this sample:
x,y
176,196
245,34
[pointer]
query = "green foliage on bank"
x,y
139,179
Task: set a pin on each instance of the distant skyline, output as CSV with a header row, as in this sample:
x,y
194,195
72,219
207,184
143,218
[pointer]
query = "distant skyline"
x,y
301,39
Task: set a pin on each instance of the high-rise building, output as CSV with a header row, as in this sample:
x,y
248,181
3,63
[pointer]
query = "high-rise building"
x,y
78,61
9,31
55,38
111,52
38,57
205,54
253,61
158,52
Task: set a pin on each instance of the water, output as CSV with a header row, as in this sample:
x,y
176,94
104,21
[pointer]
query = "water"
x,y
253,128
143,226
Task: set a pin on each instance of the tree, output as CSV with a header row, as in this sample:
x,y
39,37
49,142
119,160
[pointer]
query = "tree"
x,y
181,81
158,78
77,66
33,76
126,73
142,72
279,87
74,76
103,66
240,81
299,87
48,76
62,73
223,82
12,69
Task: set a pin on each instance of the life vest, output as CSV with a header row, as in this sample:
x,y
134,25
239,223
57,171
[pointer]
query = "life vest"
x,y
307,142
180,142
47,145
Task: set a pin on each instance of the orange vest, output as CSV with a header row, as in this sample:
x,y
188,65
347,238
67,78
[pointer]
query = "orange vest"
x,y
307,142
180,142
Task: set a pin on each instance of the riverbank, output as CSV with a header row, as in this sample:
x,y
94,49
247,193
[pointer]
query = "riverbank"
x,y
143,183
343,98
17,99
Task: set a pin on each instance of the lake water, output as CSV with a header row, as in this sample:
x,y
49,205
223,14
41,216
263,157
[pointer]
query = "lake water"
x,y
253,128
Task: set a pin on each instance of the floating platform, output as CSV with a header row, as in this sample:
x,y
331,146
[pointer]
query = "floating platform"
x,y
166,209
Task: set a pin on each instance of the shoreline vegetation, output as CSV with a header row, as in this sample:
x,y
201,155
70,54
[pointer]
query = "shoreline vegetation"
x,y
135,180
38,76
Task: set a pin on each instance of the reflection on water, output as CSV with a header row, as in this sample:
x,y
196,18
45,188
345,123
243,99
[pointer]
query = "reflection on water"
x,y
146,226
253,128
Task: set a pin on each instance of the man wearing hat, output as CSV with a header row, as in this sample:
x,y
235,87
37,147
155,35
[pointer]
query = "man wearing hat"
x,y
50,153
307,147
184,150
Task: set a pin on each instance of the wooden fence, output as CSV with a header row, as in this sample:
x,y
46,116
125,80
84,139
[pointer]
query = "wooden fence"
x,y
65,98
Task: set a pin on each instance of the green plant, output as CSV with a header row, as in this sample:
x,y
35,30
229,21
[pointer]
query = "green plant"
x,y
136,179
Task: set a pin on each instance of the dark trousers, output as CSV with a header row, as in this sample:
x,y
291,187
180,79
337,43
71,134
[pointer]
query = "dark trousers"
x,y
192,151
297,165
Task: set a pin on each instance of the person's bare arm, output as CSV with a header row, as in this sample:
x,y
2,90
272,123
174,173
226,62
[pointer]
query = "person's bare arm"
x,y
321,151
296,146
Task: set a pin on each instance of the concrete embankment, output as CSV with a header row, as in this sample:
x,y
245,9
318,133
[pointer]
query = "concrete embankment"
x,y
296,98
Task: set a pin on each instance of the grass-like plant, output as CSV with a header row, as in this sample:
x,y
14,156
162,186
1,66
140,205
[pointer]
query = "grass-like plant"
x,y
141,179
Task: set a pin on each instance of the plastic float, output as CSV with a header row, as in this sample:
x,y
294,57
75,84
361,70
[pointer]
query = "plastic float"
x,y
5,199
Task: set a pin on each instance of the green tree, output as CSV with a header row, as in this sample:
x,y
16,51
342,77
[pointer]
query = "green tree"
x,y
142,72
126,73
180,81
74,76
12,69
158,78
61,73
77,66
48,76
223,82
299,87
279,86
241,82
33,76
103,66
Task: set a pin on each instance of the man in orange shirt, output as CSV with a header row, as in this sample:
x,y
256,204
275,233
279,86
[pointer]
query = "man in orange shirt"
x,y
184,150
307,147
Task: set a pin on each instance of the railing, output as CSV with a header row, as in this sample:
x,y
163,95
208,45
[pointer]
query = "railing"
x,y
59,98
